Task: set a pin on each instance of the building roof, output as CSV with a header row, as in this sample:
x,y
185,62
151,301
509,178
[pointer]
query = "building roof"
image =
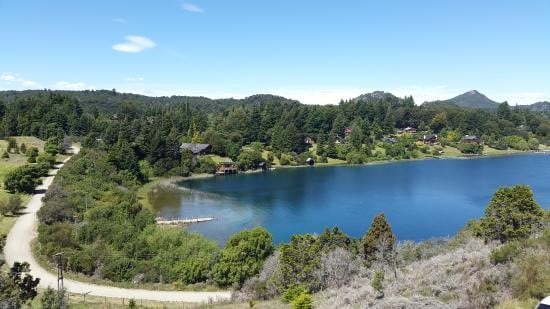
x,y
195,148
470,137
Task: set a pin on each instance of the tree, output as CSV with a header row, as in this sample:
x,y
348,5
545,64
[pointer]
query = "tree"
x,y
356,136
5,155
17,287
439,121
243,256
379,239
53,146
249,159
31,154
23,148
24,178
511,214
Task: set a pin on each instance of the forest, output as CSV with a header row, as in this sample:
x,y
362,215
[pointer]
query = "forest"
x,y
93,215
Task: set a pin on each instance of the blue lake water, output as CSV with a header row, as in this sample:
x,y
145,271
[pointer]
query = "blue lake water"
x,y
422,199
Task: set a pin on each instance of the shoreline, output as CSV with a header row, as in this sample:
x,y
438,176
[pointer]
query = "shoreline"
x,y
172,181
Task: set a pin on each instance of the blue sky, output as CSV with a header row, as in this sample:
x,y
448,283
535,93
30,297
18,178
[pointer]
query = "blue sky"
x,y
312,50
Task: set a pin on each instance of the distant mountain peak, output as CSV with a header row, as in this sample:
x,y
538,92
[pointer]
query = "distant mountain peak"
x,y
470,99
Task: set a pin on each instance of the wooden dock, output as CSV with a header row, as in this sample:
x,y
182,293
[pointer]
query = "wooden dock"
x,y
182,221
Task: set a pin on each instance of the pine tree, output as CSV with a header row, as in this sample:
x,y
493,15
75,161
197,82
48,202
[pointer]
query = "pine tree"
x,y
379,240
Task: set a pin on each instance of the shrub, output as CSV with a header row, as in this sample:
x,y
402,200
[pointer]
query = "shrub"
x,y
303,301
293,292
531,277
24,178
505,253
23,148
470,148
5,155
511,214
377,281
32,154
52,299
517,142
243,256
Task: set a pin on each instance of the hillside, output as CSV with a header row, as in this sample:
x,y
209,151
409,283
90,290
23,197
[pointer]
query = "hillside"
x,y
540,107
108,101
470,99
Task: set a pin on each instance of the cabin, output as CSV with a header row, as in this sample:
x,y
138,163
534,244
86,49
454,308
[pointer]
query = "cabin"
x,y
310,161
390,140
347,132
430,139
338,139
308,141
226,168
409,130
471,139
196,149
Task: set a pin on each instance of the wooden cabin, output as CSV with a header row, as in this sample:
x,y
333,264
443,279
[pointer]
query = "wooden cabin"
x,y
430,139
226,168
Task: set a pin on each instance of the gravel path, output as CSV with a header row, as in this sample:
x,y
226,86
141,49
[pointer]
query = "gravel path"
x,y
18,248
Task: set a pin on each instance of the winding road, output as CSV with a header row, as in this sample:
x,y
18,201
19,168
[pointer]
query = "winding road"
x,y
18,248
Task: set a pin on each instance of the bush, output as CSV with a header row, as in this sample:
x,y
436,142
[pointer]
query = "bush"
x,y
531,277
377,281
52,299
517,142
24,178
5,155
470,148
379,240
32,154
505,253
293,292
303,301
511,214
243,256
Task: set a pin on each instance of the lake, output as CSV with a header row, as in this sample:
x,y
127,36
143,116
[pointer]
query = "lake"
x,y
421,199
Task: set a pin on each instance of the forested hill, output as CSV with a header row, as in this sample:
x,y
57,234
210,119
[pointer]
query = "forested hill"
x,y
110,101
470,99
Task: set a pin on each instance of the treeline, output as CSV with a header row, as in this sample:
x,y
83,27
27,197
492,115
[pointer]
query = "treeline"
x,y
149,133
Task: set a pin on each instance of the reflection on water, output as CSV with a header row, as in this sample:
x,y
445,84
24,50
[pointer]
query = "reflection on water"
x,y
422,199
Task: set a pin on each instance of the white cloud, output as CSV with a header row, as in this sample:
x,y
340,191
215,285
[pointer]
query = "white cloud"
x,y
63,85
134,44
119,20
14,79
135,79
193,8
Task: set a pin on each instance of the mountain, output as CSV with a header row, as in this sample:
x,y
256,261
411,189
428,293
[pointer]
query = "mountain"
x,y
376,96
470,99
540,106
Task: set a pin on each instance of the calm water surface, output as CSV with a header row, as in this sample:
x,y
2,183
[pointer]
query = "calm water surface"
x,y
422,199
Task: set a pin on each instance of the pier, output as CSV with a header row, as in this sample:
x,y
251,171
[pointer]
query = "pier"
x,y
182,221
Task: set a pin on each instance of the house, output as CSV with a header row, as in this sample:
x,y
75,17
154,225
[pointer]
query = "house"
x,y
472,139
226,168
310,161
347,132
338,139
409,130
390,140
196,149
430,138
308,141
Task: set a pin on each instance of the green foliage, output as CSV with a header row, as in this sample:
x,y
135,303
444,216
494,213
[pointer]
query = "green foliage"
x,y
17,287
12,205
505,253
511,214
5,155
293,292
378,280
243,256
32,154
470,148
303,301
249,159
24,178
53,146
532,276
23,148
52,299
379,239
206,165
517,142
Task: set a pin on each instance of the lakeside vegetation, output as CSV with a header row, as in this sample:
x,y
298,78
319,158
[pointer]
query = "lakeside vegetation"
x,y
93,214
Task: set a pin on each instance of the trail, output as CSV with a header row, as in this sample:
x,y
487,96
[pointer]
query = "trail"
x,y
24,231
